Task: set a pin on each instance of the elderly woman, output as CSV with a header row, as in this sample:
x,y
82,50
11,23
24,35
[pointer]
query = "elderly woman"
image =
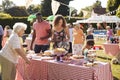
x,y
11,51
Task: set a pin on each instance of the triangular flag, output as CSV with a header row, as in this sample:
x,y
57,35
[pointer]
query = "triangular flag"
x,y
28,2
55,6
71,9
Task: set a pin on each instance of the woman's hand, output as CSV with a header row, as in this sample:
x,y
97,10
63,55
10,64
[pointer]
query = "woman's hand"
x,y
66,40
27,61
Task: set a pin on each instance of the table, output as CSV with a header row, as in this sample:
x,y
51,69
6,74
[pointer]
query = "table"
x,y
51,70
111,49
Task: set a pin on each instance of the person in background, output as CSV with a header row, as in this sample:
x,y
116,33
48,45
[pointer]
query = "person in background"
x,y
78,40
91,28
81,26
104,25
41,33
71,37
11,51
31,33
99,26
117,29
109,33
89,34
85,49
7,33
1,35
60,32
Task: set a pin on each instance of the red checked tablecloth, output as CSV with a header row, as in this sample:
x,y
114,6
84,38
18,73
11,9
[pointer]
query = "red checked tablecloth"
x,y
37,70
51,70
111,49
58,71
103,72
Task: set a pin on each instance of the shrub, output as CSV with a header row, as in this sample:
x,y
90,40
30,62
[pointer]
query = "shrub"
x,y
5,15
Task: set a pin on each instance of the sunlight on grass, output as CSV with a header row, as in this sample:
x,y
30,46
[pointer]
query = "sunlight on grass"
x,y
99,41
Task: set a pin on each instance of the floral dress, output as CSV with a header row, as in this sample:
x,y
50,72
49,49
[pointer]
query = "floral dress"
x,y
58,38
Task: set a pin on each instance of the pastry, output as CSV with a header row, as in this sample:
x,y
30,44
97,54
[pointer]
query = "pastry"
x,y
78,56
59,50
47,53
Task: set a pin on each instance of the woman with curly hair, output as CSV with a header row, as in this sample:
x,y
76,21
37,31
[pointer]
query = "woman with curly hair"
x,y
60,32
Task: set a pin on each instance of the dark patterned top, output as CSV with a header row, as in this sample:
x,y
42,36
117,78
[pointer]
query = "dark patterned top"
x,y
89,37
58,37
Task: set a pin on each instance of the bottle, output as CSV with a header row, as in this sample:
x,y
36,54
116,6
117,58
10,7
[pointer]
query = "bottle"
x,y
57,58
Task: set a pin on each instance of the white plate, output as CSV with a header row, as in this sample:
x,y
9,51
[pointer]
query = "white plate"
x,y
46,58
36,57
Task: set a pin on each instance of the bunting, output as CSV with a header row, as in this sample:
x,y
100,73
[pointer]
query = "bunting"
x,y
71,9
28,2
55,6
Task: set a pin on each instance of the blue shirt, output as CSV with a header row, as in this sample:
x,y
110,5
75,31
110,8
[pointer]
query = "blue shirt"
x,y
1,30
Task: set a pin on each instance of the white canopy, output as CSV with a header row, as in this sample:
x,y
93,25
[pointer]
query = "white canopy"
x,y
111,19
81,21
95,19
100,19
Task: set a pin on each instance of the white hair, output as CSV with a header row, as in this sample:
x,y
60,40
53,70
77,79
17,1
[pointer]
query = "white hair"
x,y
107,27
19,26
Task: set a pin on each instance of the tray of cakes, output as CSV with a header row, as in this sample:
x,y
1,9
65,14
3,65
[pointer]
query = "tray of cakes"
x,y
77,56
48,53
89,64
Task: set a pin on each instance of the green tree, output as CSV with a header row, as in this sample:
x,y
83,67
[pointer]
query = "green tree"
x,y
5,15
118,12
112,5
90,8
17,11
74,13
34,9
63,9
7,4
1,9
46,7
97,4
80,14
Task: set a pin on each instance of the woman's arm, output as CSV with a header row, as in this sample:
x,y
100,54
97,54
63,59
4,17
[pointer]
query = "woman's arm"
x,y
52,35
33,38
21,52
67,33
